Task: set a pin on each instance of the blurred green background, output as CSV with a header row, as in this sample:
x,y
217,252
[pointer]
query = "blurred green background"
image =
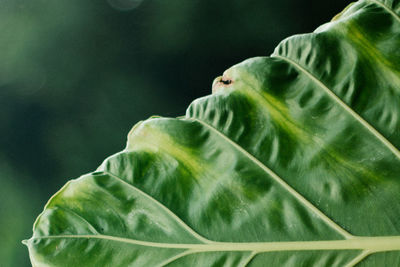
x,y
76,75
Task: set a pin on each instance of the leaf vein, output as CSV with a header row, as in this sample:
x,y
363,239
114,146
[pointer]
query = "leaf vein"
x,y
249,259
91,227
389,10
178,256
359,258
281,182
358,118
167,210
373,243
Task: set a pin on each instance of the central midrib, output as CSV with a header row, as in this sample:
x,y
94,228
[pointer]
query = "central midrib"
x,y
372,244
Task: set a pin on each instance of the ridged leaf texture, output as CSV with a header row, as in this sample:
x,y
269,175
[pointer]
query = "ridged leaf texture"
x,y
292,161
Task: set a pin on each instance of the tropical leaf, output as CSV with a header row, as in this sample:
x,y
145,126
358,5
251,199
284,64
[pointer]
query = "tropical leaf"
x,y
292,161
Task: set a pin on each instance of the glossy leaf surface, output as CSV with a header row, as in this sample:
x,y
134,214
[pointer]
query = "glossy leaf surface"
x,y
292,161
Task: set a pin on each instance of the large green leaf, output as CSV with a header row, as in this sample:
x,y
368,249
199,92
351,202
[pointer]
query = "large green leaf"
x,y
292,161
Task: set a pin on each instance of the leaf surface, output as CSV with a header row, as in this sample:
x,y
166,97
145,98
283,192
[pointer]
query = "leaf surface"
x,y
292,161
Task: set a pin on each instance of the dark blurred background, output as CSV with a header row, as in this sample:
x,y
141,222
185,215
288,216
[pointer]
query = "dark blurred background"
x,y
76,75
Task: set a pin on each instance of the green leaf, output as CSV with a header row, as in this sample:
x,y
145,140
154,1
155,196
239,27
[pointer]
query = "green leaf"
x,y
292,161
